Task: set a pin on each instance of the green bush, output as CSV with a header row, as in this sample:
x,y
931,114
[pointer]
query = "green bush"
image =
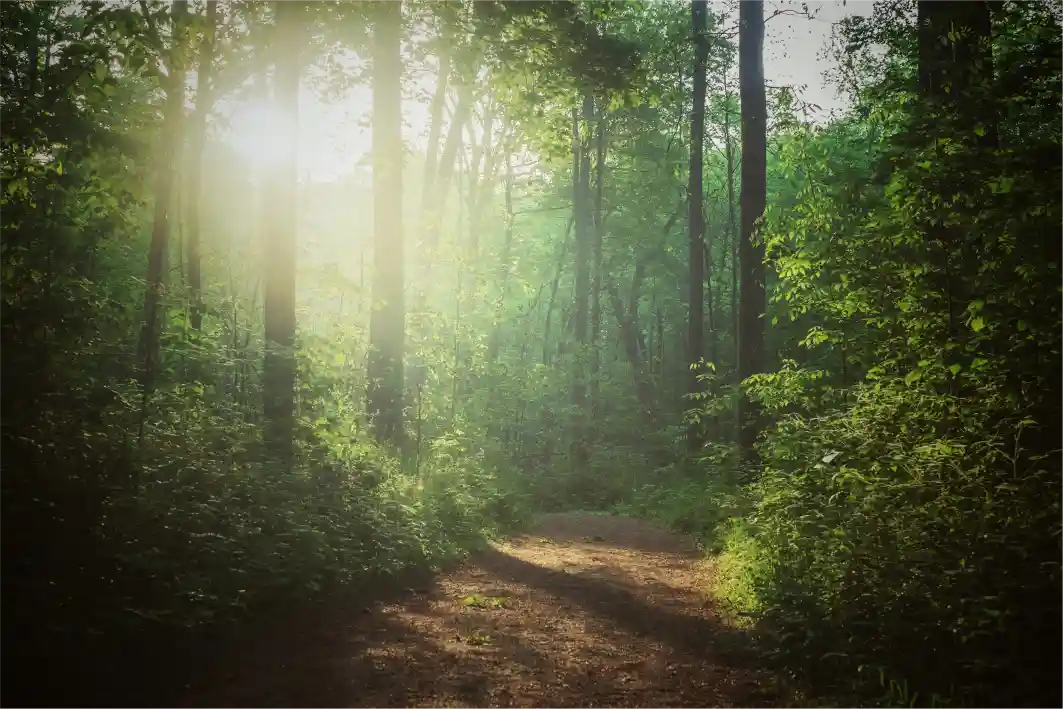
x,y
700,503
191,523
885,540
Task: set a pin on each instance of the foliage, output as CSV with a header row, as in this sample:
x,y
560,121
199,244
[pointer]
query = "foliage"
x,y
690,504
884,535
905,538
897,542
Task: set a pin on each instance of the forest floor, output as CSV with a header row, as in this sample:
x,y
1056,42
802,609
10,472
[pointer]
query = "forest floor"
x,y
582,610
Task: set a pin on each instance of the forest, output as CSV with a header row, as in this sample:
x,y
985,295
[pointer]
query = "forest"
x,y
590,284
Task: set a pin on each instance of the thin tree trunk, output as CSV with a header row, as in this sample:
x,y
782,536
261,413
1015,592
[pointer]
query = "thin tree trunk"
x,y
732,225
660,348
204,104
387,324
435,128
279,302
696,218
455,380
481,185
447,161
503,265
165,169
713,427
596,289
553,292
710,302
754,149
581,214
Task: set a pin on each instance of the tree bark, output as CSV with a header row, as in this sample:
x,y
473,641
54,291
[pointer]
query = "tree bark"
x,y
387,322
481,182
732,227
204,104
751,254
627,321
582,217
596,287
165,169
279,302
503,264
553,293
696,216
435,128
447,162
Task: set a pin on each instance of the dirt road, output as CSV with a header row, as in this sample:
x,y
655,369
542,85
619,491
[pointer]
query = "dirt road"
x,y
584,610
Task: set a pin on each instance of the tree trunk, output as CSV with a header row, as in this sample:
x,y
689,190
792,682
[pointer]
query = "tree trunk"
x,y
448,160
711,315
582,216
387,322
732,230
712,429
204,103
435,128
553,292
278,373
751,255
503,264
696,216
627,322
596,288
165,169
481,182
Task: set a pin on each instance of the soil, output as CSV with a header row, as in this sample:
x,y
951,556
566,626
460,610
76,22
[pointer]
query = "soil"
x,y
583,610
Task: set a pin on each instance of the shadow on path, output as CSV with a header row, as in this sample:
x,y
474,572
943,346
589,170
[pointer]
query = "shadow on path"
x,y
618,605
621,625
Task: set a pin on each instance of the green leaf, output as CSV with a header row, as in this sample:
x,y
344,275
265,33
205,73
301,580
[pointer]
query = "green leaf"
x,y
913,376
955,369
977,323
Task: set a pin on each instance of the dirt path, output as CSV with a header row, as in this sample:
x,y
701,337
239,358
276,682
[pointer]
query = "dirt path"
x,y
583,610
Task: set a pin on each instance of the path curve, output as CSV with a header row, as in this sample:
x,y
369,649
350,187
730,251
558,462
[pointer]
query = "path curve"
x,y
583,610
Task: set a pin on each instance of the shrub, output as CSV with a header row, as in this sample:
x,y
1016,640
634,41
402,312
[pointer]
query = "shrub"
x,y
885,538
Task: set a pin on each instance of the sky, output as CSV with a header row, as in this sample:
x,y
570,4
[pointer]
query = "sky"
x,y
334,135
794,49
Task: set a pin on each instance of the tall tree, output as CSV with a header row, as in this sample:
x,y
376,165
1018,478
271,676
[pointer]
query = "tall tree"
x,y
696,214
165,168
279,371
504,266
435,126
437,199
752,298
732,222
204,103
581,208
596,286
387,322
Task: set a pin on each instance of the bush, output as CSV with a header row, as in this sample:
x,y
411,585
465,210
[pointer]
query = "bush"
x,y
702,502
885,540
193,524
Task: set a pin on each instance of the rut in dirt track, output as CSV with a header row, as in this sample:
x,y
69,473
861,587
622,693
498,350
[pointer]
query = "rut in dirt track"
x,y
583,610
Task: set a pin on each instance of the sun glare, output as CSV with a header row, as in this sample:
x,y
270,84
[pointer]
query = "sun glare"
x,y
333,135
257,132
